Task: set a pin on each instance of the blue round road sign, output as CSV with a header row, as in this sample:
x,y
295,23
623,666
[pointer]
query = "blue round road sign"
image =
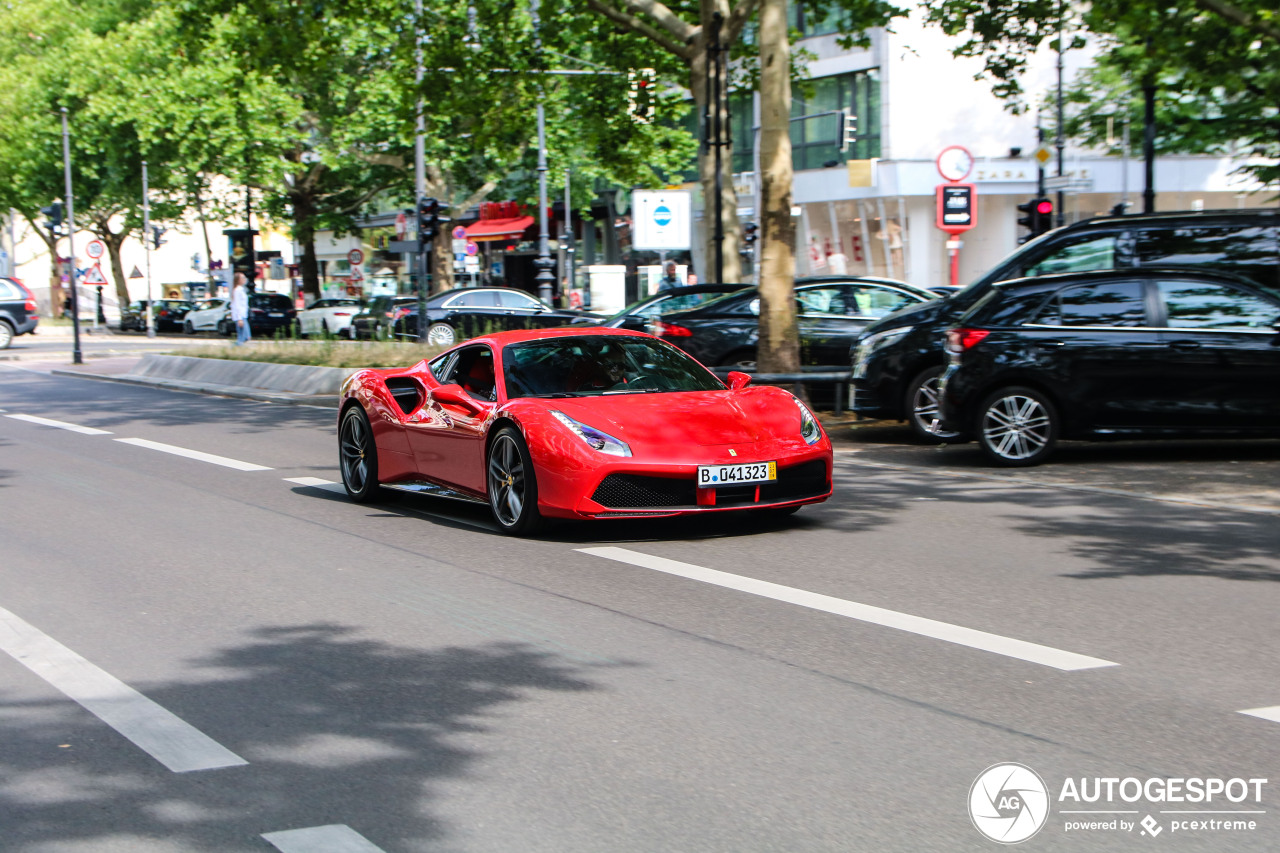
x,y
662,214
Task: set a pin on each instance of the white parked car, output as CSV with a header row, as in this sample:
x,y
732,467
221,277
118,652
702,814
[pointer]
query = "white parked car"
x,y
329,317
209,315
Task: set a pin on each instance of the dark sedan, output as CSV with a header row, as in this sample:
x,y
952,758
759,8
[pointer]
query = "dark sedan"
x,y
377,317
830,311
17,311
1113,353
470,311
169,314
642,316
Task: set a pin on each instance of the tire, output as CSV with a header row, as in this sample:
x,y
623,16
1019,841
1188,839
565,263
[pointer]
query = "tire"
x,y
6,334
512,484
441,334
358,456
921,406
223,328
1017,427
324,328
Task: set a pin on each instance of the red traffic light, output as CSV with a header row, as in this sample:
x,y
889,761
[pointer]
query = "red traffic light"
x,y
1044,206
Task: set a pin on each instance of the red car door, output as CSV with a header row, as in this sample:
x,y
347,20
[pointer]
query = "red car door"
x,y
448,438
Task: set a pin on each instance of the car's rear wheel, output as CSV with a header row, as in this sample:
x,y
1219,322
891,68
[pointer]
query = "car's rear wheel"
x,y
358,456
223,327
512,484
441,334
6,334
1017,427
922,407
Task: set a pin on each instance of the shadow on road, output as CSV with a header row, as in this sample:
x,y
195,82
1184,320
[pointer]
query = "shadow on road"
x,y
336,729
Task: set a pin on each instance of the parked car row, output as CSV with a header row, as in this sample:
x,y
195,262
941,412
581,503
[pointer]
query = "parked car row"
x,y
1161,324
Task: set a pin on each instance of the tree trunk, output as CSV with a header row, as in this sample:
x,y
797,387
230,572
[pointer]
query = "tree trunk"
x,y
114,242
699,68
779,348
304,232
55,270
442,260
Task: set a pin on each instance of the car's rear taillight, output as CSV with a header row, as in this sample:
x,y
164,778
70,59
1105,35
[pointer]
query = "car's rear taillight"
x,y
671,330
959,340
30,305
342,313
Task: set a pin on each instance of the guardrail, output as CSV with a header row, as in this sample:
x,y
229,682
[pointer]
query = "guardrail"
x,y
841,379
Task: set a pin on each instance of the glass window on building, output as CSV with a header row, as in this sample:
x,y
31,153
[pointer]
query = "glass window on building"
x,y
815,141
852,237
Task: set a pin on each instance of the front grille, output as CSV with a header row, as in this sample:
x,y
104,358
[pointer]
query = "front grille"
x,y
637,491
798,481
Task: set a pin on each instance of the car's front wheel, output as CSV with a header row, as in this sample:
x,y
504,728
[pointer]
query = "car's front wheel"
x,y
512,485
922,407
188,328
1017,427
358,456
441,334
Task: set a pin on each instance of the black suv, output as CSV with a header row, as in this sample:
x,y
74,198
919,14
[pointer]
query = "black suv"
x,y
17,311
270,313
898,361
1113,353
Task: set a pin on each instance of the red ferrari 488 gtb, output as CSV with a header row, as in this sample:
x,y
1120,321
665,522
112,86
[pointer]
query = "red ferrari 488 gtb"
x,y
579,423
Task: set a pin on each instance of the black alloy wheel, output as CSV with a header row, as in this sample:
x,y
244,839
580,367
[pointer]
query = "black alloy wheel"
x,y
922,407
512,485
1017,427
358,456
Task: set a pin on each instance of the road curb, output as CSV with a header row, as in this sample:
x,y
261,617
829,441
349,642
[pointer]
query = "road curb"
x,y
213,390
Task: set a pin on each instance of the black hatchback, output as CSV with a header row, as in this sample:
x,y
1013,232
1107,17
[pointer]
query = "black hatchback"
x,y
1161,352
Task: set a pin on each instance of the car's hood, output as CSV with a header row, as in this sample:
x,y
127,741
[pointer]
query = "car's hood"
x,y
702,418
912,315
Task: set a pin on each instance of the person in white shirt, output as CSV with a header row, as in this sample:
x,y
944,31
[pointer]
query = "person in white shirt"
x,y
240,308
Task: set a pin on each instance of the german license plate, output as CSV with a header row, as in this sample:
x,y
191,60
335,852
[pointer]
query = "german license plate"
x,y
710,476
276,314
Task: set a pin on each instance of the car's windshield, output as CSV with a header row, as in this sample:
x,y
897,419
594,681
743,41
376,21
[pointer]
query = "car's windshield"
x,y
588,366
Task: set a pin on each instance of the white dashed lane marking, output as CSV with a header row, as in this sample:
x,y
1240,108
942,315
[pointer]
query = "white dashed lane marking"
x,y
1020,649
49,422
1271,714
334,838
317,483
194,454
165,737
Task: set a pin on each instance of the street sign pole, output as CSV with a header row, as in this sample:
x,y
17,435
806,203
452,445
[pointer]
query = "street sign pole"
x,y
146,245
76,356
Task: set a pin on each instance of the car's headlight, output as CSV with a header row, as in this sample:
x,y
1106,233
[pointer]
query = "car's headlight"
x,y
595,439
809,429
871,343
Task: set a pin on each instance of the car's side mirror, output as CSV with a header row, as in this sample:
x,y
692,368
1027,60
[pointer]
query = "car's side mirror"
x,y
453,395
738,380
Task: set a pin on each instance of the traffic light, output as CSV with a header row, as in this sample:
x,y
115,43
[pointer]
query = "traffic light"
x,y
847,131
1037,218
432,216
642,94
750,233
157,236
53,217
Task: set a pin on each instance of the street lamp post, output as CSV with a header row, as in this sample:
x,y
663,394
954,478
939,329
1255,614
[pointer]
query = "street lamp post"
x,y
544,264
146,245
76,356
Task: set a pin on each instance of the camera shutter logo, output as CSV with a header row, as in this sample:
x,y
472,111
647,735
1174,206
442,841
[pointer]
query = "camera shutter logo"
x,y
1008,803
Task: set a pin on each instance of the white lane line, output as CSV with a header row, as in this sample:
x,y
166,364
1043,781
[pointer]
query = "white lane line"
x,y
317,483
83,430
1020,649
171,741
1272,713
334,838
194,454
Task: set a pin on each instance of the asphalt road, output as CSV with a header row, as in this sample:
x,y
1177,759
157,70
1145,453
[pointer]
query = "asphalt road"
x,y
203,654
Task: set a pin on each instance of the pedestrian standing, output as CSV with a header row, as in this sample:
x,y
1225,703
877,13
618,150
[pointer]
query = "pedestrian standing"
x,y
240,309
670,279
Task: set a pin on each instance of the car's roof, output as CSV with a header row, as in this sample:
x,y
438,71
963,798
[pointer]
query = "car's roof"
x,y
520,336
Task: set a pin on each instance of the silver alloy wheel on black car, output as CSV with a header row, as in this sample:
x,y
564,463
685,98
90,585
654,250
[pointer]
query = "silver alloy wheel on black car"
x,y
441,334
358,456
1017,427
922,406
512,486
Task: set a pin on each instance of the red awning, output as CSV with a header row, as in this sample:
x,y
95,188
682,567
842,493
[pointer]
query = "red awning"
x,y
498,229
